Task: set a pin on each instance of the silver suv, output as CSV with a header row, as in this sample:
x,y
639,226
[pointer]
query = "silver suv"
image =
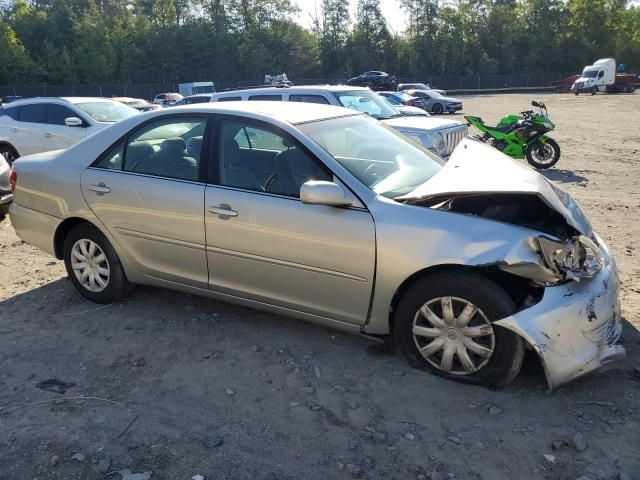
x,y
438,135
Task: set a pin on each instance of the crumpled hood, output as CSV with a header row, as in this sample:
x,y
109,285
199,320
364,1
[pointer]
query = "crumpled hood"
x,y
421,123
476,168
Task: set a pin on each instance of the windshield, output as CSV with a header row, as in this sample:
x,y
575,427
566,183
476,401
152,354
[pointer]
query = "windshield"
x,y
366,101
590,73
107,112
384,160
433,94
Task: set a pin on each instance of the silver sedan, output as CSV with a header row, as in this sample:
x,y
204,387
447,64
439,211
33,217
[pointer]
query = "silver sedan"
x,y
327,215
6,195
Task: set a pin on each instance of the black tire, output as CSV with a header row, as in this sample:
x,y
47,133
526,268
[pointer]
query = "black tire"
x,y
508,351
594,90
531,154
437,109
4,209
8,153
576,92
117,285
632,88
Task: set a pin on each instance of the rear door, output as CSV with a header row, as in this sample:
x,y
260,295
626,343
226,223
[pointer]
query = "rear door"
x,y
29,130
148,191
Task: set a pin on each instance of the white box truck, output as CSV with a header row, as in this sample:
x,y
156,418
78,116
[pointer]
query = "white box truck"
x,y
602,77
188,89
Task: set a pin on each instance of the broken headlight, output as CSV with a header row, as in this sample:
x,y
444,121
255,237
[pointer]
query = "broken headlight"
x,y
575,258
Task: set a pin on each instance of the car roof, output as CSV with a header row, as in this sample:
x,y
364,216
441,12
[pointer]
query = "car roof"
x,y
294,90
289,112
72,100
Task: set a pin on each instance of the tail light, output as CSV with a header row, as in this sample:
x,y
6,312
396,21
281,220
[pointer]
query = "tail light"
x,y
13,179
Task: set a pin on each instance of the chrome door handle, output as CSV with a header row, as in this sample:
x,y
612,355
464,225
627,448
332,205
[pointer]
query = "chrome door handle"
x,y
223,210
99,188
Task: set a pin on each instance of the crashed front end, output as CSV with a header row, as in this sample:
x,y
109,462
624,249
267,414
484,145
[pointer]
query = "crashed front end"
x,y
575,325
573,321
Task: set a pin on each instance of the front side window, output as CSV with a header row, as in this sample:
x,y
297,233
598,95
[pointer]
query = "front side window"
x,y
378,156
107,112
165,148
34,113
56,114
229,99
260,159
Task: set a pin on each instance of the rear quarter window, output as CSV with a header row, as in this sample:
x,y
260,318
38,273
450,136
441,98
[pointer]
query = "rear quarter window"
x,y
309,99
273,98
35,113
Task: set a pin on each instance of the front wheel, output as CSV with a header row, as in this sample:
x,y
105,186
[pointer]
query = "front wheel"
x,y
93,265
437,109
444,323
543,155
594,90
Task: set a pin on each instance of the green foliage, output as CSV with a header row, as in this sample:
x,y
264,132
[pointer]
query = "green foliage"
x,y
102,41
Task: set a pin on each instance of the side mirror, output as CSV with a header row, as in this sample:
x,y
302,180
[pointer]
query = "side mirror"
x,y
535,104
318,192
73,122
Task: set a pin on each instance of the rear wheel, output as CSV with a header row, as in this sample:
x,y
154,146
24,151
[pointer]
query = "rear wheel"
x,y
543,155
4,209
93,265
8,153
437,109
444,323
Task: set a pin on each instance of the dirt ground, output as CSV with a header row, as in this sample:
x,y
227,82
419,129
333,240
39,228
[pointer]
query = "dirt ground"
x,y
178,385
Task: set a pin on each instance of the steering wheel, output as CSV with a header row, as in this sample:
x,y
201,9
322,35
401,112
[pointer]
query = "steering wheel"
x,y
372,171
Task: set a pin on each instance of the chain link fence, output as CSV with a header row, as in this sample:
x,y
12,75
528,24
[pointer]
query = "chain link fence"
x,y
452,83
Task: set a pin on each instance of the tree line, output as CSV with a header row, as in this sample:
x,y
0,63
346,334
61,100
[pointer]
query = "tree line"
x,y
137,41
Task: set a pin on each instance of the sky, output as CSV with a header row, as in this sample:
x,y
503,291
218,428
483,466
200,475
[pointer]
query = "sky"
x,y
390,9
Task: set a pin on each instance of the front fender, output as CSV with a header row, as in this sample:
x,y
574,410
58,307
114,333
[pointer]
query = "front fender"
x,y
411,239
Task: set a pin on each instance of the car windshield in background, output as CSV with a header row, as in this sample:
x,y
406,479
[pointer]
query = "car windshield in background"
x,y
378,156
107,112
366,101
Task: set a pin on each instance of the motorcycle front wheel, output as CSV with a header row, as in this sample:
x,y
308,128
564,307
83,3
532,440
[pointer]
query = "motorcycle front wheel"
x,y
543,155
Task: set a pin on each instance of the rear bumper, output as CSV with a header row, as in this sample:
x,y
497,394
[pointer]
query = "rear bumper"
x,y
33,227
575,327
5,197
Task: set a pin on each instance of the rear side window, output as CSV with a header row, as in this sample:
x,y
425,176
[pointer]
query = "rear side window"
x,y
56,114
35,113
229,99
272,98
309,99
10,112
167,148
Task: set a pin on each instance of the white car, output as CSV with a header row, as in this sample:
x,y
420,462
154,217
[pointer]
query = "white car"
x,y
438,135
167,99
41,124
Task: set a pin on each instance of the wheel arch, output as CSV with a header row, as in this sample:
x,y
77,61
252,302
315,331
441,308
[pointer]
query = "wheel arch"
x,y
4,143
517,288
63,229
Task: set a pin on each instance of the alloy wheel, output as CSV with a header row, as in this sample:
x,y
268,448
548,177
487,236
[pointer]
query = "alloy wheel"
x,y
453,335
90,265
543,153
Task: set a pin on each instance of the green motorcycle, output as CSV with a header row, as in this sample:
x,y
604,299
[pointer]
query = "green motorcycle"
x,y
521,136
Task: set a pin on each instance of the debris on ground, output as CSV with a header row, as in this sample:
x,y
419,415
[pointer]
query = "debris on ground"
x,y
54,385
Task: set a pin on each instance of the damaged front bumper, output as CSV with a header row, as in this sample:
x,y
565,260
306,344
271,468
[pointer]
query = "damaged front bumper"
x,y
575,326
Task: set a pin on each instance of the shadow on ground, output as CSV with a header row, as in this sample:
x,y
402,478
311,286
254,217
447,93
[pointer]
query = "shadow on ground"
x,y
149,380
